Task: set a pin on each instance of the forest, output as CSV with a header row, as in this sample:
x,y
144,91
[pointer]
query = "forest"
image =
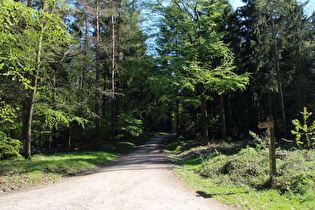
x,y
75,74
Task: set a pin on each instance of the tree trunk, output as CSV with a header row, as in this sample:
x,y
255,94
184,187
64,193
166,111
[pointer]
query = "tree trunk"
x,y
113,112
97,80
177,118
223,120
27,124
85,67
300,90
30,100
281,99
229,117
204,119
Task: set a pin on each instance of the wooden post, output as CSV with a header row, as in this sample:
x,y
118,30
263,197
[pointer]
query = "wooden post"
x,y
270,124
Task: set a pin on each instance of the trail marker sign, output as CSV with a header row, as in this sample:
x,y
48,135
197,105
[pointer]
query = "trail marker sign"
x,y
269,125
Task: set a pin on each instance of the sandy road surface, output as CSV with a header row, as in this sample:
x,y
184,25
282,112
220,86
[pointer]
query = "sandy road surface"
x,y
140,180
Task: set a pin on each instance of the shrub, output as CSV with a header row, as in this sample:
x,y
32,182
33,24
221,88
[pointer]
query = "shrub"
x,y
304,133
296,172
9,148
249,167
128,125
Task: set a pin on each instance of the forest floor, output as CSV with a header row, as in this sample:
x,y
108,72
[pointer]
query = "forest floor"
x,y
140,180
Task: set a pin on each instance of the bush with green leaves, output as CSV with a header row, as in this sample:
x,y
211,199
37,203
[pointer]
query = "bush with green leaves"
x,y
9,148
296,172
304,132
250,167
128,125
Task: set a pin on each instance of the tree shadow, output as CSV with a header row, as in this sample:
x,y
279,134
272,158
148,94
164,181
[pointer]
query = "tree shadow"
x,y
206,195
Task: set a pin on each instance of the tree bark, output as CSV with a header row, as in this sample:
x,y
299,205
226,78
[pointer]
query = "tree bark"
x,y
30,101
113,64
97,80
281,99
223,119
27,124
177,118
204,119
85,67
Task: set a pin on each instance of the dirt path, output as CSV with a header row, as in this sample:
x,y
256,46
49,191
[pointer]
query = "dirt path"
x,y
141,180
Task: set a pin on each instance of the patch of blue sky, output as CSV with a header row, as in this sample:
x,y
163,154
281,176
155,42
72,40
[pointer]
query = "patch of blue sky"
x,y
309,7
150,19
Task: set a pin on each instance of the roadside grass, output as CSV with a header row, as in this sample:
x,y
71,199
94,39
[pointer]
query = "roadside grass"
x,y
49,168
45,169
239,177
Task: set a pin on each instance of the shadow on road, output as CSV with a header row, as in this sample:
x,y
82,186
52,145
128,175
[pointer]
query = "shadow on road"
x,y
147,157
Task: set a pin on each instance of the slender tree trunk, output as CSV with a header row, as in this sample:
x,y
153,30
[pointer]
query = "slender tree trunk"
x,y
28,106
269,99
27,124
70,144
84,67
204,119
223,119
229,113
113,64
281,99
300,90
177,119
97,80
30,100
105,103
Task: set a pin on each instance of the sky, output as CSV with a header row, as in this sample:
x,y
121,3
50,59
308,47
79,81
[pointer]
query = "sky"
x,y
236,3
149,28
310,7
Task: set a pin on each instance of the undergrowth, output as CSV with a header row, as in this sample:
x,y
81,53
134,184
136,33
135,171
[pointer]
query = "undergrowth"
x,y
240,177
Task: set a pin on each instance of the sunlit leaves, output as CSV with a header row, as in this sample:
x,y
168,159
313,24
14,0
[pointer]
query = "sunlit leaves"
x,y
304,131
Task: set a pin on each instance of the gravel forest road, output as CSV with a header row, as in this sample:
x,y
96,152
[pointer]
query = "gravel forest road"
x,y
140,180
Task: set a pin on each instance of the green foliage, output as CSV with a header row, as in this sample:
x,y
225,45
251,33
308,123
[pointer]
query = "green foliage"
x,y
296,169
304,132
54,118
196,59
206,63
9,148
249,167
128,125
33,42
24,33
262,141
254,40
240,179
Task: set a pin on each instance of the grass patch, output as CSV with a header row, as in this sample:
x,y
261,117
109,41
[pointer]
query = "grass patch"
x,y
240,178
44,169
49,168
